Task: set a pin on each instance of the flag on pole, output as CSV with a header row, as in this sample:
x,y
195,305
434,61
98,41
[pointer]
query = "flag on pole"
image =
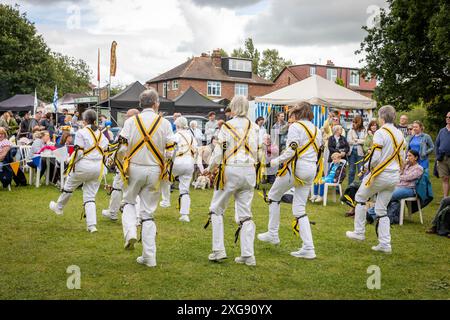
x,y
35,105
55,99
98,66
113,65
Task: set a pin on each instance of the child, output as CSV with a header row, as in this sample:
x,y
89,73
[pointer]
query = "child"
x,y
336,167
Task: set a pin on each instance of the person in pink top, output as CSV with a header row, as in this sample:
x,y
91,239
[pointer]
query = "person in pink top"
x,y
409,175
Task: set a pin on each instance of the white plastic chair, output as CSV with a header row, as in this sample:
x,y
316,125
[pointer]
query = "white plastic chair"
x,y
409,201
339,185
25,154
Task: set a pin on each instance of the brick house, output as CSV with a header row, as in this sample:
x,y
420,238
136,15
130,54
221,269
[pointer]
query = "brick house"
x,y
352,78
213,76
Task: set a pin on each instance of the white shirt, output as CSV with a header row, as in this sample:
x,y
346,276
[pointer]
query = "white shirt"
x,y
84,139
298,135
160,138
241,158
210,129
383,138
185,142
262,132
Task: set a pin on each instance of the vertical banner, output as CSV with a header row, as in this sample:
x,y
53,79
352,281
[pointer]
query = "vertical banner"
x,y
35,104
98,68
113,65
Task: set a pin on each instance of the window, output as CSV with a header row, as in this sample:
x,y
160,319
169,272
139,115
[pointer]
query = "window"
x,y
312,71
240,65
354,78
332,74
164,90
175,85
241,89
214,88
168,85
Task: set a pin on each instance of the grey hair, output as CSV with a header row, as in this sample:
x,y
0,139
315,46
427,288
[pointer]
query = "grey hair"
x,y
193,124
387,113
336,127
90,116
239,106
181,123
149,98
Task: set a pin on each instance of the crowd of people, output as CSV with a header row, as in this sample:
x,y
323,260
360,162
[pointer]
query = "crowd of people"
x,y
150,153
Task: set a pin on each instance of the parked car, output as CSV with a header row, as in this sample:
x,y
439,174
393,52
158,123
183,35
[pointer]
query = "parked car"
x,y
201,121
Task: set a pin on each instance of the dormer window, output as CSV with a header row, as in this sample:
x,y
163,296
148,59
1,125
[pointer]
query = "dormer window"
x,y
240,65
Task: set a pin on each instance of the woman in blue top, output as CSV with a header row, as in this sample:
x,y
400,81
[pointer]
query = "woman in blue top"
x,y
422,143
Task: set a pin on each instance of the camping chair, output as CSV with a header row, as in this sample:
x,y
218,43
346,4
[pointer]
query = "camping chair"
x,y
338,184
410,202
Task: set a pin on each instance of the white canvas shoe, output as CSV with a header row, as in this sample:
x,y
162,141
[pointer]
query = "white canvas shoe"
x,y
312,198
185,218
383,249
92,229
250,261
355,236
107,214
163,204
304,254
54,207
129,245
268,237
149,262
318,199
217,256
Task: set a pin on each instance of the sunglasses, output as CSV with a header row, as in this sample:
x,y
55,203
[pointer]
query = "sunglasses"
x,y
447,117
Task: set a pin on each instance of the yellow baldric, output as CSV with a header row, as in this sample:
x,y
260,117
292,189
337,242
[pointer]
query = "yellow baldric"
x,y
291,164
395,156
241,142
190,148
146,140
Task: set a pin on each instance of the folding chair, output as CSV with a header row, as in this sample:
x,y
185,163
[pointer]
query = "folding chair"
x,y
409,201
25,154
339,185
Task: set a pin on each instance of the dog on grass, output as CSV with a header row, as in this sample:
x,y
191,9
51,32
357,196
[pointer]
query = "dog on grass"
x,y
202,182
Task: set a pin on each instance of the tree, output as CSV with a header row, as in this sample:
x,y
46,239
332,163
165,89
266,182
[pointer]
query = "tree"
x,y
26,62
409,53
272,64
340,82
223,53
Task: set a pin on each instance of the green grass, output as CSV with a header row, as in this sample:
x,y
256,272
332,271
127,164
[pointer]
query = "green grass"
x,y
37,247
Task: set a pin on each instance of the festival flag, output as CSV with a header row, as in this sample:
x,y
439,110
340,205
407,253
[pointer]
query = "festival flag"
x,y
35,105
98,67
55,99
113,65
37,161
15,167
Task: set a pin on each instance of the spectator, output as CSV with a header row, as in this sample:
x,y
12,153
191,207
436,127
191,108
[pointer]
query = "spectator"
x,y
409,175
210,127
262,130
176,115
66,141
371,129
403,125
443,155
441,224
36,120
271,151
63,116
335,173
337,143
5,145
47,123
196,132
280,129
9,123
422,143
25,127
76,117
40,140
356,138
102,120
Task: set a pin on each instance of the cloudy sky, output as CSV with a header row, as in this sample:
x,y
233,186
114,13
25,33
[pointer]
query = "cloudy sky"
x,y
155,36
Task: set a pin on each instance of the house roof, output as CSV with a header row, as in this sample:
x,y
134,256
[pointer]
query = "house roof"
x,y
203,68
295,69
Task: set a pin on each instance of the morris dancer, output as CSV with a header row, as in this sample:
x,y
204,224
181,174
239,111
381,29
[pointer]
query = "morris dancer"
x,y
85,168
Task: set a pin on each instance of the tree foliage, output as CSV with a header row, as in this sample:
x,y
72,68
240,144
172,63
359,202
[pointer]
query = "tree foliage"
x,y
409,52
26,62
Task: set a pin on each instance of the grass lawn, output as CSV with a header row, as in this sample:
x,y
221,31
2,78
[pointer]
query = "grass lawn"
x,y
37,247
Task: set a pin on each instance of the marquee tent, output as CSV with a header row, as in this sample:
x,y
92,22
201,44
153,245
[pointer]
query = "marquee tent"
x,y
19,102
193,103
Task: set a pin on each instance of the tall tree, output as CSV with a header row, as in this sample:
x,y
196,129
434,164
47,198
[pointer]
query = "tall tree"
x,y
409,52
272,64
26,62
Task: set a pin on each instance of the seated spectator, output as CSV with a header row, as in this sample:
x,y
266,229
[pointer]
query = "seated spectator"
x,y
338,143
335,173
409,175
66,141
41,139
5,144
441,222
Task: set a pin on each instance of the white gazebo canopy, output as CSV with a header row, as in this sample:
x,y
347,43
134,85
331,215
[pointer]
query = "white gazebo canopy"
x,y
319,91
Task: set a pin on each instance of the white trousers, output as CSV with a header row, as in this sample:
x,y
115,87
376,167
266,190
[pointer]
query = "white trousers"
x,y
383,185
183,168
240,183
278,189
116,195
143,181
305,171
87,173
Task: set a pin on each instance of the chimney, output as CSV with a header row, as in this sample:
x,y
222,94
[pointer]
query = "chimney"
x,y
330,63
204,55
217,58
